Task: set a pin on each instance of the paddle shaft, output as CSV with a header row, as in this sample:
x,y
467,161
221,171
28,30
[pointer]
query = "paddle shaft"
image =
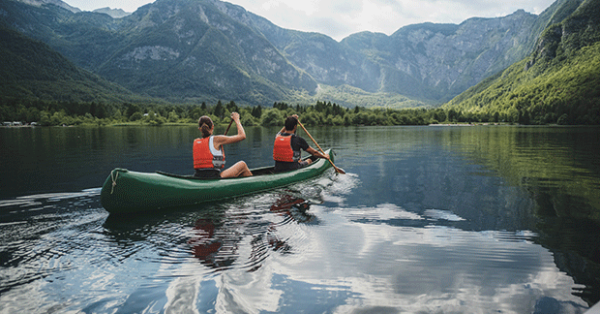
x,y
230,122
338,170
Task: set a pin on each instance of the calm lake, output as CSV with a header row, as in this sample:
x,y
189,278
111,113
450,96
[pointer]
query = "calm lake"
x,y
470,219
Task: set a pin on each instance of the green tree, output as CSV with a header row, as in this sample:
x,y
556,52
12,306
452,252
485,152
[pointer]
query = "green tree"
x,y
232,107
136,116
132,109
257,111
248,119
173,116
219,110
563,120
311,117
45,119
118,116
272,117
33,114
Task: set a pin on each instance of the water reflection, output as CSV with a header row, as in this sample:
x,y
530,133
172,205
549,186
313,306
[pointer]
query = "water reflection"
x,y
216,240
392,259
559,166
427,220
239,246
206,246
289,205
575,245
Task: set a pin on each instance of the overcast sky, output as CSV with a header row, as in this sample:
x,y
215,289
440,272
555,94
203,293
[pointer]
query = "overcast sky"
x,y
340,18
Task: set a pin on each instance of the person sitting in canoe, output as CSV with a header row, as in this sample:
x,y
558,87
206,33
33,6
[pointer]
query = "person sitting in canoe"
x,y
286,151
209,156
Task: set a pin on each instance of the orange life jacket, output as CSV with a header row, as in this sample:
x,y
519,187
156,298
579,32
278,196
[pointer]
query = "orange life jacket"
x,y
206,156
283,151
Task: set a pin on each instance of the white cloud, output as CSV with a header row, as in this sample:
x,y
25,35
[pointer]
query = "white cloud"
x,y
340,18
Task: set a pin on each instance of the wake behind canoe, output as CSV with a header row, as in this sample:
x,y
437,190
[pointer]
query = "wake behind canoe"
x,y
127,191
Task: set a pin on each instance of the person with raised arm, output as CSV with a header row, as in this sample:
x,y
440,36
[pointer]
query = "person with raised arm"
x,y
209,155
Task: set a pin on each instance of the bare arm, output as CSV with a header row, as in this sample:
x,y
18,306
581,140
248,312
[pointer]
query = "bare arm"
x,y
316,153
224,140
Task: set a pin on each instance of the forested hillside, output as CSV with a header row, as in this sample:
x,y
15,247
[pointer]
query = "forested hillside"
x,y
558,83
33,71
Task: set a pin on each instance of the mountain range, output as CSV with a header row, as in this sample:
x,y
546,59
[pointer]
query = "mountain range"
x,y
206,50
557,83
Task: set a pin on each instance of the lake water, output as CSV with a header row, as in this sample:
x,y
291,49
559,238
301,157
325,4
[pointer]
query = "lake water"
x,y
482,219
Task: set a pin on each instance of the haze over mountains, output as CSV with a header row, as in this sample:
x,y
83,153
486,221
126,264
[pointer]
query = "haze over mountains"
x,y
206,50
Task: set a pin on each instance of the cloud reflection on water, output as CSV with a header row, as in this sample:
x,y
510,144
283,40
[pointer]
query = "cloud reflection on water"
x,y
428,268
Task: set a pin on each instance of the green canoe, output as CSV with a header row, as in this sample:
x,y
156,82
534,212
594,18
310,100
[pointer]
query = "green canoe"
x,y
127,191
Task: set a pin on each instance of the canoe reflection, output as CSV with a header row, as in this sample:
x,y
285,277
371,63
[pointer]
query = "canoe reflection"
x,y
294,207
217,242
214,251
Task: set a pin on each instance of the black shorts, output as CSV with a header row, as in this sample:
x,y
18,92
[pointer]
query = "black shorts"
x,y
281,166
207,173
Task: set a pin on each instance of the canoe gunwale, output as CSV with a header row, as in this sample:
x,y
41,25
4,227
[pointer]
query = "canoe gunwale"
x,y
257,172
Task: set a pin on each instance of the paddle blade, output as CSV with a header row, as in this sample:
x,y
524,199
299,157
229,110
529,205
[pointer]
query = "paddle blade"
x,y
338,170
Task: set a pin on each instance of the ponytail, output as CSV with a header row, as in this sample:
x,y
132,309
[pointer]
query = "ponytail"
x,y
205,124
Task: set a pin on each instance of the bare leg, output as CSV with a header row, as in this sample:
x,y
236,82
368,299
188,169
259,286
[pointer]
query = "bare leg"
x,y
304,163
240,169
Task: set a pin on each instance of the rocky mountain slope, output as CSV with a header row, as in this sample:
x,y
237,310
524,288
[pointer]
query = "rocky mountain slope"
x,y
557,83
426,61
185,50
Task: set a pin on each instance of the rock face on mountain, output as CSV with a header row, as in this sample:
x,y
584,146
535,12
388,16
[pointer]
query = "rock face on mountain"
x,y
192,49
430,61
427,61
448,59
580,28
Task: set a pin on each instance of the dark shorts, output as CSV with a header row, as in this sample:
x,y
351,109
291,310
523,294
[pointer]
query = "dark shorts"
x,y
289,166
207,173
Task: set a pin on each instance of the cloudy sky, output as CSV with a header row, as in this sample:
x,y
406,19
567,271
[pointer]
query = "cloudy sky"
x,y
340,18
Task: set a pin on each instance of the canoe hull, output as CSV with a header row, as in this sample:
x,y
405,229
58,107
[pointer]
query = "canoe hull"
x,y
127,191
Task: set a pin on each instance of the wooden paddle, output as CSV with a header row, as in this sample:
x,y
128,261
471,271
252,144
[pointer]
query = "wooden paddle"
x,y
338,170
230,122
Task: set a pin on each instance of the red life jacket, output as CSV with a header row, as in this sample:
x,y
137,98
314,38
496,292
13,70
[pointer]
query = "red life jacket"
x,y
283,151
206,156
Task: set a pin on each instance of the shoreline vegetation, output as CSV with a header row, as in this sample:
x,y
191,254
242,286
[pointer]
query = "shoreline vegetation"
x,y
223,124
39,113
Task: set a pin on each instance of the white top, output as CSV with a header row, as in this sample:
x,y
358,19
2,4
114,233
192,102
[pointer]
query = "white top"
x,y
213,150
